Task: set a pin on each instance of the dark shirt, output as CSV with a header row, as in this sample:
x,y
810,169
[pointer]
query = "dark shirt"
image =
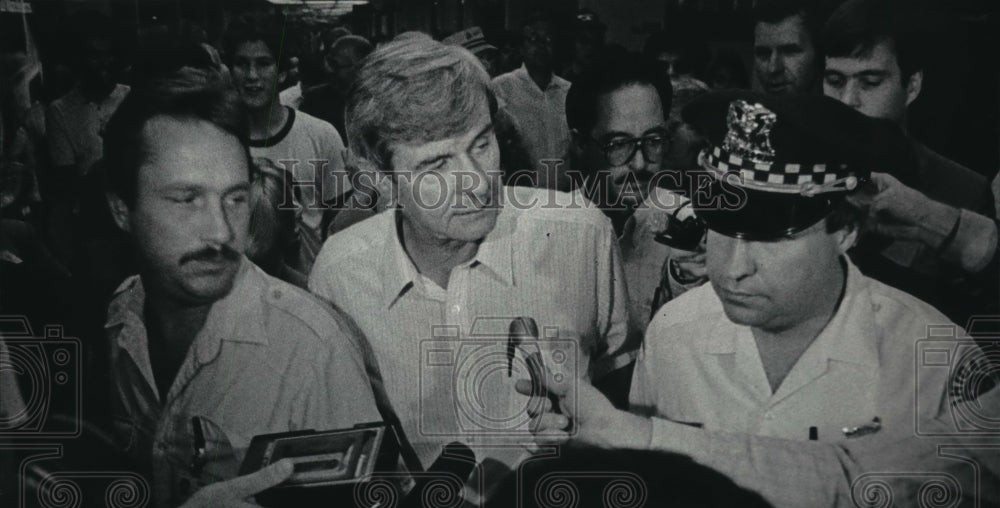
x,y
916,268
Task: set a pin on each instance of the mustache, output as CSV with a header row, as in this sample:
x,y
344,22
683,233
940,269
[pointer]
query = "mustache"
x,y
212,254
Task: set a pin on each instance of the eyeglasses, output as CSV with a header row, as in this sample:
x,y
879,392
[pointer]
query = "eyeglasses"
x,y
619,152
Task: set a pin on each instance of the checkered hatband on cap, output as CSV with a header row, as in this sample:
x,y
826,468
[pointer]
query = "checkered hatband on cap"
x,y
747,151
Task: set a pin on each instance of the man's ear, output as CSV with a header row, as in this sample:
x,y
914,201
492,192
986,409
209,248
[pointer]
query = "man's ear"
x,y
913,86
119,211
846,238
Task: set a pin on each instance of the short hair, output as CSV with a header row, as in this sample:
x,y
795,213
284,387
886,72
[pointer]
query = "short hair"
x,y
610,74
776,11
857,26
266,29
413,90
187,94
358,46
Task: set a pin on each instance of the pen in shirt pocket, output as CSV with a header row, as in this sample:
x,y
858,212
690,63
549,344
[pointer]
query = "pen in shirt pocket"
x,y
863,430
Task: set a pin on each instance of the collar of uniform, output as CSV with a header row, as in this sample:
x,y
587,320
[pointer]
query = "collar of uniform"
x,y
847,337
236,308
850,334
222,319
555,82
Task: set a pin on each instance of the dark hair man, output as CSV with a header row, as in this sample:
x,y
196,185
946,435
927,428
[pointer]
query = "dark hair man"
x,y
792,373
327,101
461,255
785,51
536,99
618,118
875,64
202,337
307,147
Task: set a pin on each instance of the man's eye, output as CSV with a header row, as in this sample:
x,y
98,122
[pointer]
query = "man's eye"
x,y
616,144
238,198
481,145
762,53
871,82
184,199
835,81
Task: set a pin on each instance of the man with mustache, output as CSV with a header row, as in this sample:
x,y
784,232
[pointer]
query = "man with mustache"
x,y
204,345
792,372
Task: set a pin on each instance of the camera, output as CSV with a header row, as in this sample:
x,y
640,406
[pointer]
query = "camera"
x,y
970,368
40,385
467,382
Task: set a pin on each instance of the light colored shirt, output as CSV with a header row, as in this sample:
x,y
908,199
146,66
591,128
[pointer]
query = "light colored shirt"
x,y
442,351
270,358
698,368
75,126
540,118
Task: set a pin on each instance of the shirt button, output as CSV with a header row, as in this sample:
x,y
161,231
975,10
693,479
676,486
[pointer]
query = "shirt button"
x,y
768,416
276,294
456,308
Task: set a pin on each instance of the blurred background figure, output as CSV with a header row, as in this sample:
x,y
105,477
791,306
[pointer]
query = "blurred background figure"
x,y
726,71
473,40
588,39
326,101
273,213
683,56
535,98
785,38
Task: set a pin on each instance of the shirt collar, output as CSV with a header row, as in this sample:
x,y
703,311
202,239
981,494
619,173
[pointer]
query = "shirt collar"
x,y
399,272
555,82
848,337
223,318
495,253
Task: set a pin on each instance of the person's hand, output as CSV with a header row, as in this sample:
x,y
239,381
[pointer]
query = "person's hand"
x,y
587,416
235,492
902,213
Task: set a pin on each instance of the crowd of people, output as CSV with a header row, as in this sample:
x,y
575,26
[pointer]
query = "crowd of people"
x,y
719,280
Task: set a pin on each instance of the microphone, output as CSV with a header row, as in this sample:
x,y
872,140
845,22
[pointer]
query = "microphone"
x,y
442,482
523,329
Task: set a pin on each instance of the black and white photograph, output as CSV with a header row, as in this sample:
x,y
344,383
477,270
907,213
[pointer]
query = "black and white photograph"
x,y
499,253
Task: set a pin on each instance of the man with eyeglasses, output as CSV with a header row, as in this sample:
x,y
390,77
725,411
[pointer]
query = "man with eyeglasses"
x,y
617,116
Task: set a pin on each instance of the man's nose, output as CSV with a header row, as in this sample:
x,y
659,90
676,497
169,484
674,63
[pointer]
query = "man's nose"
x,y
851,95
217,226
639,161
739,259
474,181
775,64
